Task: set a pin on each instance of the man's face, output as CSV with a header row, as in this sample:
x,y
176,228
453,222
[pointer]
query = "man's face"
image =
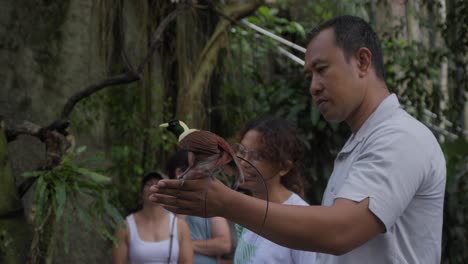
x,y
334,82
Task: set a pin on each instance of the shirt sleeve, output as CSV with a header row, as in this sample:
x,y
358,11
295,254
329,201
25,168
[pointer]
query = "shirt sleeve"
x,y
303,257
239,230
388,169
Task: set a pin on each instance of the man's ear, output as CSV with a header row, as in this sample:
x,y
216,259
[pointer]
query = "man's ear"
x,y
364,60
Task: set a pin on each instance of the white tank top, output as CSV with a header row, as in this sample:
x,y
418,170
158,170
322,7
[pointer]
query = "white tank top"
x,y
140,251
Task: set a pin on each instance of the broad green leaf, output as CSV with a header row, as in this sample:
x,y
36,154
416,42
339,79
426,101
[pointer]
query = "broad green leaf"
x,y
264,11
80,150
83,215
106,234
41,190
60,197
254,20
96,177
274,11
112,211
29,174
298,28
66,232
87,184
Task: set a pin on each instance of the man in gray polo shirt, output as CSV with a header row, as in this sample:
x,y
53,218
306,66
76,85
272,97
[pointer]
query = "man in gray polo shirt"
x,y
384,200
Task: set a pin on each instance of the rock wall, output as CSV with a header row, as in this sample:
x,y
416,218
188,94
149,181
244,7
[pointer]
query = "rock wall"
x,y
51,49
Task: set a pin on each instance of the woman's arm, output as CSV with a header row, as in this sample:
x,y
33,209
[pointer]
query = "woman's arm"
x,y
219,243
185,242
120,250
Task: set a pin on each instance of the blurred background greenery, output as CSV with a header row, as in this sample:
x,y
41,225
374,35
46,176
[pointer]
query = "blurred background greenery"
x,y
211,71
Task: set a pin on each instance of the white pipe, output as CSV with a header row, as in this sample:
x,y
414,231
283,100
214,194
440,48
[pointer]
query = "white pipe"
x,y
291,56
273,36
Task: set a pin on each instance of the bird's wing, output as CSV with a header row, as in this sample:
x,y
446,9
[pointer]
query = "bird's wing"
x,y
202,141
227,148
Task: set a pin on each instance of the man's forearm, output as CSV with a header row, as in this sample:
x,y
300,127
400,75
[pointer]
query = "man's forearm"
x,y
335,230
312,228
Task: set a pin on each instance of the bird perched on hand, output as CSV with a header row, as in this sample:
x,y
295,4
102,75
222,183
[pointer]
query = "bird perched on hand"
x,y
206,151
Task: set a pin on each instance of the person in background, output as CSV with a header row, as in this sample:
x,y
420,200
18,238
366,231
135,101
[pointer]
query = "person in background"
x,y
274,147
211,238
384,199
152,234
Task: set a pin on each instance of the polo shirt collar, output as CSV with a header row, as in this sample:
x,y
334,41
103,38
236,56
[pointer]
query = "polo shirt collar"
x,y
385,109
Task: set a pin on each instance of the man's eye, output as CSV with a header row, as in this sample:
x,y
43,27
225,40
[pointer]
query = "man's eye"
x,y
321,69
308,78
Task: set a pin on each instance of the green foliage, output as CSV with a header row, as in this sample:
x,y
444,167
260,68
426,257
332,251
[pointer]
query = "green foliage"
x,y
313,12
455,32
267,18
72,189
413,73
456,202
259,80
128,134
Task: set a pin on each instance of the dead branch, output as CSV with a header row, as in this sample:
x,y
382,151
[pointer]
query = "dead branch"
x,y
22,128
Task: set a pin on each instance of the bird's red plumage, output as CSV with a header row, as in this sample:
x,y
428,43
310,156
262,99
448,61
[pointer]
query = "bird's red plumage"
x,y
201,141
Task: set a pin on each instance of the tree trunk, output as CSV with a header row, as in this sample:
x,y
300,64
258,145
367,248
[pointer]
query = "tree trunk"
x,y
14,231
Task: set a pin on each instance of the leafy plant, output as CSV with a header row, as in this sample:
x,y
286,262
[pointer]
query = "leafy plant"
x,y
456,202
68,190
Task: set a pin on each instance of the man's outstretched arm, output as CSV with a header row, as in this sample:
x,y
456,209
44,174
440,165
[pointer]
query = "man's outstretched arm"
x,y
334,230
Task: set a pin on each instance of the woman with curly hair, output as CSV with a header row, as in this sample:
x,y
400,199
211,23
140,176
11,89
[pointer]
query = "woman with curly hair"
x,y
270,148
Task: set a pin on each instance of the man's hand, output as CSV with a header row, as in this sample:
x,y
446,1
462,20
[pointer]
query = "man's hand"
x,y
203,196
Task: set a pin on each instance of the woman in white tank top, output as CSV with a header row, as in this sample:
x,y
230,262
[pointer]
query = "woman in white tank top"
x,y
153,235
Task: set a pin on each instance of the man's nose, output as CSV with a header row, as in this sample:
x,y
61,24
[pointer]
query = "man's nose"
x,y
315,87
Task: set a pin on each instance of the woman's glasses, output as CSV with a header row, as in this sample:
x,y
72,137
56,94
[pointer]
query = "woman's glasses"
x,y
250,155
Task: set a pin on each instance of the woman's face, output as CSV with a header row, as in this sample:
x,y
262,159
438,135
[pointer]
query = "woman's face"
x,y
253,152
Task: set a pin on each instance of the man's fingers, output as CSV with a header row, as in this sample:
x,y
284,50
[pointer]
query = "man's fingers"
x,y
174,197
177,205
169,200
195,174
188,185
177,194
184,211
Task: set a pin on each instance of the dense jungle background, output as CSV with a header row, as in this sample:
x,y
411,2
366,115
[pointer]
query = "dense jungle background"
x,y
83,83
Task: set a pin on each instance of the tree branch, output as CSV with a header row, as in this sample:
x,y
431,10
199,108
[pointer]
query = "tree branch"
x,y
156,39
55,135
23,128
60,125
116,80
130,76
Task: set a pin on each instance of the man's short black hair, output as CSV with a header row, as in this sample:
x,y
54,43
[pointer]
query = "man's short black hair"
x,y
351,34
